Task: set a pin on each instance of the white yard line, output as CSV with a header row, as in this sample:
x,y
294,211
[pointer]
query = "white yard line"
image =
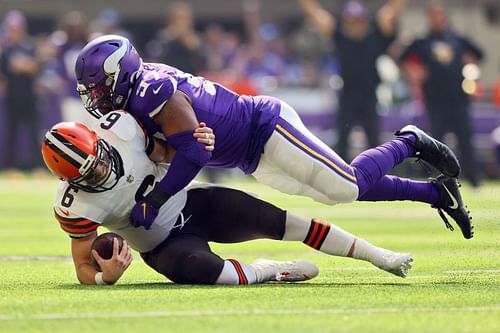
x,y
459,271
350,268
35,258
225,313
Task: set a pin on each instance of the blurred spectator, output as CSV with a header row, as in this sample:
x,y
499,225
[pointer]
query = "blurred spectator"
x,y
48,83
359,41
496,92
314,55
108,22
216,47
178,44
269,60
226,60
443,54
18,68
69,41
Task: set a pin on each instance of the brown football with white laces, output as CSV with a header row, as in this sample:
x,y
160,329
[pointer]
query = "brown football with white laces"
x,y
103,244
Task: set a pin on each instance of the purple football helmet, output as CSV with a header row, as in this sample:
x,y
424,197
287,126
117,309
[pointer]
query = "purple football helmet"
x,y
106,69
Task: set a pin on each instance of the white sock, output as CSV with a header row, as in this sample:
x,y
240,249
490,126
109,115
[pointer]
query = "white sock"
x,y
366,251
235,272
330,239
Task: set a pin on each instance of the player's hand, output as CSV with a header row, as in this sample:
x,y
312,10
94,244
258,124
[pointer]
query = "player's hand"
x,y
114,267
143,214
205,135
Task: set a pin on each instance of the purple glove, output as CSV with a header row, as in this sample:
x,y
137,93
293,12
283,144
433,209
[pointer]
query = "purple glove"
x,y
143,214
146,210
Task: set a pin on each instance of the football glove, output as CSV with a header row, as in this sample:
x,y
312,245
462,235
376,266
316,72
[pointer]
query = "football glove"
x,y
146,210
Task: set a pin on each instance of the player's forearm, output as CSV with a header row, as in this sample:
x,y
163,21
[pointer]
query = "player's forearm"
x,y
180,173
86,274
189,158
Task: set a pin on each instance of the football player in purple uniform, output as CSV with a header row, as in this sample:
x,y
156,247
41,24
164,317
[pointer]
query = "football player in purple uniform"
x,y
261,135
105,170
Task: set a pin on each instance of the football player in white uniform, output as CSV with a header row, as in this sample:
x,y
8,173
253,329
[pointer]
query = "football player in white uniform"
x,y
105,171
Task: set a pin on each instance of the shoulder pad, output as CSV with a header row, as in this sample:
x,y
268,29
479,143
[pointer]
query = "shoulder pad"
x,y
120,123
152,93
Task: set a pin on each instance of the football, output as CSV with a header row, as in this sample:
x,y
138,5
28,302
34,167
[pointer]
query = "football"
x,y
103,244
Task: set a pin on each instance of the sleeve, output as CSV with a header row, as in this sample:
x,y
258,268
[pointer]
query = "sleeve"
x,y
472,48
152,94
74,226
3,62
338,34
124,126
384,41
411,51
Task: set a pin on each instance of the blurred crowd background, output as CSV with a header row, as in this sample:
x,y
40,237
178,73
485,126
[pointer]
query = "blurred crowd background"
x,y
261,47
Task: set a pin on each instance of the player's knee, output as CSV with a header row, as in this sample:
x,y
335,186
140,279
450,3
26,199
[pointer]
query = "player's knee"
x,y
345,195
349,194
196,267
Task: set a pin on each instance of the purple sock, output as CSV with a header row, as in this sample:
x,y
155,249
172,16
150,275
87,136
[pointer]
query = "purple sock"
x,y
373,164
391,188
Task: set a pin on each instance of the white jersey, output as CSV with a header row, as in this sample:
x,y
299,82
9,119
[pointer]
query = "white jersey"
x,y
80,213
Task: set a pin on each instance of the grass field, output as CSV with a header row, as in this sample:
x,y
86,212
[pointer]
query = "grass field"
x,y
454,286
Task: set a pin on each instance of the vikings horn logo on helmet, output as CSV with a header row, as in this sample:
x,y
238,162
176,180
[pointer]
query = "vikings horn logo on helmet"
x,y
106,70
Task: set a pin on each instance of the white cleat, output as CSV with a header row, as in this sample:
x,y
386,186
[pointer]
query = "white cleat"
x,y
396,263
288,271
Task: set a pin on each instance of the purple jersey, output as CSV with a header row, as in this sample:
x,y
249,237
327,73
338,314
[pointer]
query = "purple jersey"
x,y
242,124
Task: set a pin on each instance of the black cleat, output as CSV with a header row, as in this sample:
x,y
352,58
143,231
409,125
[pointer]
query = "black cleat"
x,y
451,202
433,151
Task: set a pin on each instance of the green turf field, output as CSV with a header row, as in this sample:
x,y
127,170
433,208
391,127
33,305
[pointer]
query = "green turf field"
x,y
453,287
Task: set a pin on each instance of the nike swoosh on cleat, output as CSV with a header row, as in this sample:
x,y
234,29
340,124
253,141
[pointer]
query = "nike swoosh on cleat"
x,y
454,201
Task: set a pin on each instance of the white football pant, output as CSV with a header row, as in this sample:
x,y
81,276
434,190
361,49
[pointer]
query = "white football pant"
x,y
297,162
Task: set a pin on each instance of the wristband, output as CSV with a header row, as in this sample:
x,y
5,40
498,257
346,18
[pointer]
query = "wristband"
x,y
98,279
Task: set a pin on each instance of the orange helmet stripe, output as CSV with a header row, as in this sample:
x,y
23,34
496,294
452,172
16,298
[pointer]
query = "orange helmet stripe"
x,y
67,147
